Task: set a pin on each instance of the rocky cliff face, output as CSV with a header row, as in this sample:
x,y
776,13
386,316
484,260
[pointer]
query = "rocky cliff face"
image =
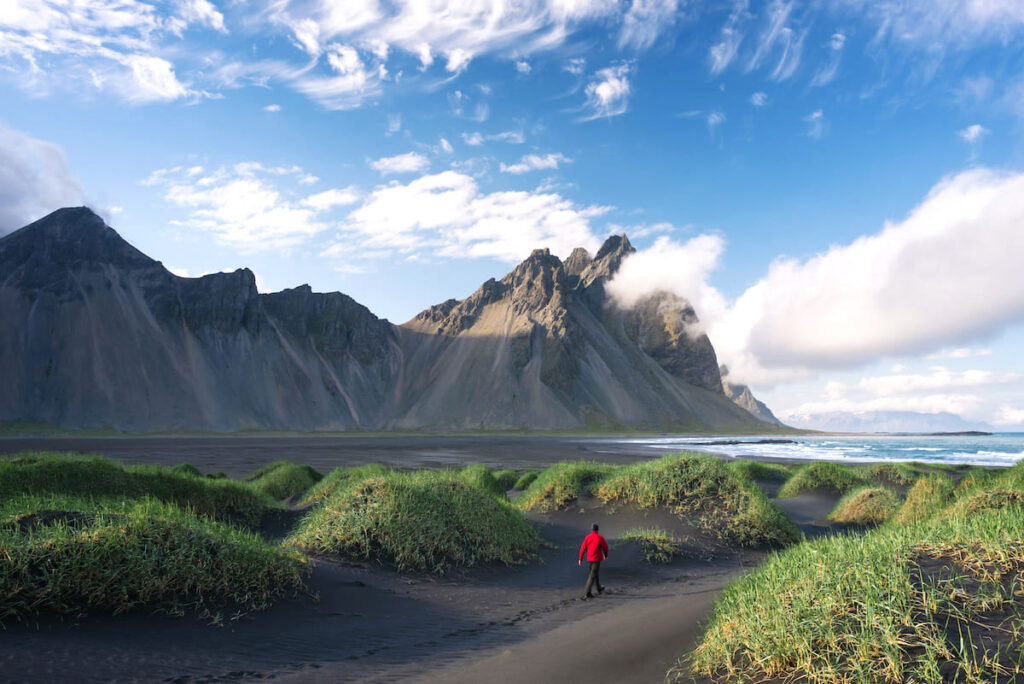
x,y
742,396
98,334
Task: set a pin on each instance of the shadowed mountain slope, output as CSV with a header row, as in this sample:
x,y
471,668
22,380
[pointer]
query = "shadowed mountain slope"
x,y
98,334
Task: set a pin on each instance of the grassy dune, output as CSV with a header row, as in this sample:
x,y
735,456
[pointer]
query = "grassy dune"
x,y
822,475
866,506
283,480
718,497
421,521
932,595
657,545
73,555
98,477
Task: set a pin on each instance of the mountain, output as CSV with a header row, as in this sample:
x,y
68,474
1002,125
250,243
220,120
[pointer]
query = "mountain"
x,y
886,421
742,396
99,334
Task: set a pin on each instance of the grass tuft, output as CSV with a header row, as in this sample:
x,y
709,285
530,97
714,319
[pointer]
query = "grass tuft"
x,y
70,555
95,476
755,471
481,476
506,479
822,475
283,480
339,478
889,474
420,521
558,486
657,545
928,496
526,479
866,506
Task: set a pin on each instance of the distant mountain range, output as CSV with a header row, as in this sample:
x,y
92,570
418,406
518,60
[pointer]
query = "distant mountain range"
x,y
886,421
97,334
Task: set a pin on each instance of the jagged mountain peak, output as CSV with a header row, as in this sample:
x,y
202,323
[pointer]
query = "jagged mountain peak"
x,y
615,245
577,262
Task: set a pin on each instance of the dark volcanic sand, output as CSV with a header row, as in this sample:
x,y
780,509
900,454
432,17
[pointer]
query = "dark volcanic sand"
x,y
493,624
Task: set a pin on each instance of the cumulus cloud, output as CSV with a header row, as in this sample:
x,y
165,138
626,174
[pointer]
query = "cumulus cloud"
x,y
973,133
34,179
533,162
410,162
608,94
447,215
523,67
245,207
946,274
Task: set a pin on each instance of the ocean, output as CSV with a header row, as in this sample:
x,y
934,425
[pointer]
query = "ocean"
x,y
1001,449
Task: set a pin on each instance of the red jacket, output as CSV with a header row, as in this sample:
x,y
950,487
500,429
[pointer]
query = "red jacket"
x,y
595,547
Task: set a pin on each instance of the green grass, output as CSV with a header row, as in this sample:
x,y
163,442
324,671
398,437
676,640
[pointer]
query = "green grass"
x,y
526,479
822,475
866,506
71,555
756,470
283,480
657,545
558,486
506,479
338,478
706,488
858,608
95,476
890,473
928,496
482,477
420,521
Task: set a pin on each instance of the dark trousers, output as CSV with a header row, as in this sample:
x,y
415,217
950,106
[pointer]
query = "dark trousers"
x,y
594,580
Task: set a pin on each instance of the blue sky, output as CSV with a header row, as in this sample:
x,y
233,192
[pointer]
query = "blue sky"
x,y
836,185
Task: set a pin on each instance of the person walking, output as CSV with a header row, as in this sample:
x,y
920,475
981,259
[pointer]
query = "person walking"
x,y
595,548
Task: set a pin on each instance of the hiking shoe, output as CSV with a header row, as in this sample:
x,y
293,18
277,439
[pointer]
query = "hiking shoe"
x,y
600,590
587,597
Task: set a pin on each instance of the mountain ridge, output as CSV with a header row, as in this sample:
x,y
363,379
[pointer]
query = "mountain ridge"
x,y
109,337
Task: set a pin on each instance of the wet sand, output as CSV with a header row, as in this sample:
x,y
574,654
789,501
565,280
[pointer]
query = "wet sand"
x,y
369,623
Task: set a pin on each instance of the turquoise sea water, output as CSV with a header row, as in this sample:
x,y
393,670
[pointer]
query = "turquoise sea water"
x,y
1000,449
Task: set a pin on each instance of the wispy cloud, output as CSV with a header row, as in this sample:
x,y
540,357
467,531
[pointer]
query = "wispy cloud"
x,y
827,71
608,93
973,133
722,53
645,21
816,121
759,99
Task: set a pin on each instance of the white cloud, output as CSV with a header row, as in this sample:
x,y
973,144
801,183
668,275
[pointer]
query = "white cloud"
x,y
827,71
331,198
394,123
778,38
645,21
34,179
273,108
959,353
722,53
523,67
608,94
973,133
243,207
410,162
446,146
532,162
947,274
939,24
447,215
576,65
473,139
816,119
759,99
350,83
512,137
715,119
